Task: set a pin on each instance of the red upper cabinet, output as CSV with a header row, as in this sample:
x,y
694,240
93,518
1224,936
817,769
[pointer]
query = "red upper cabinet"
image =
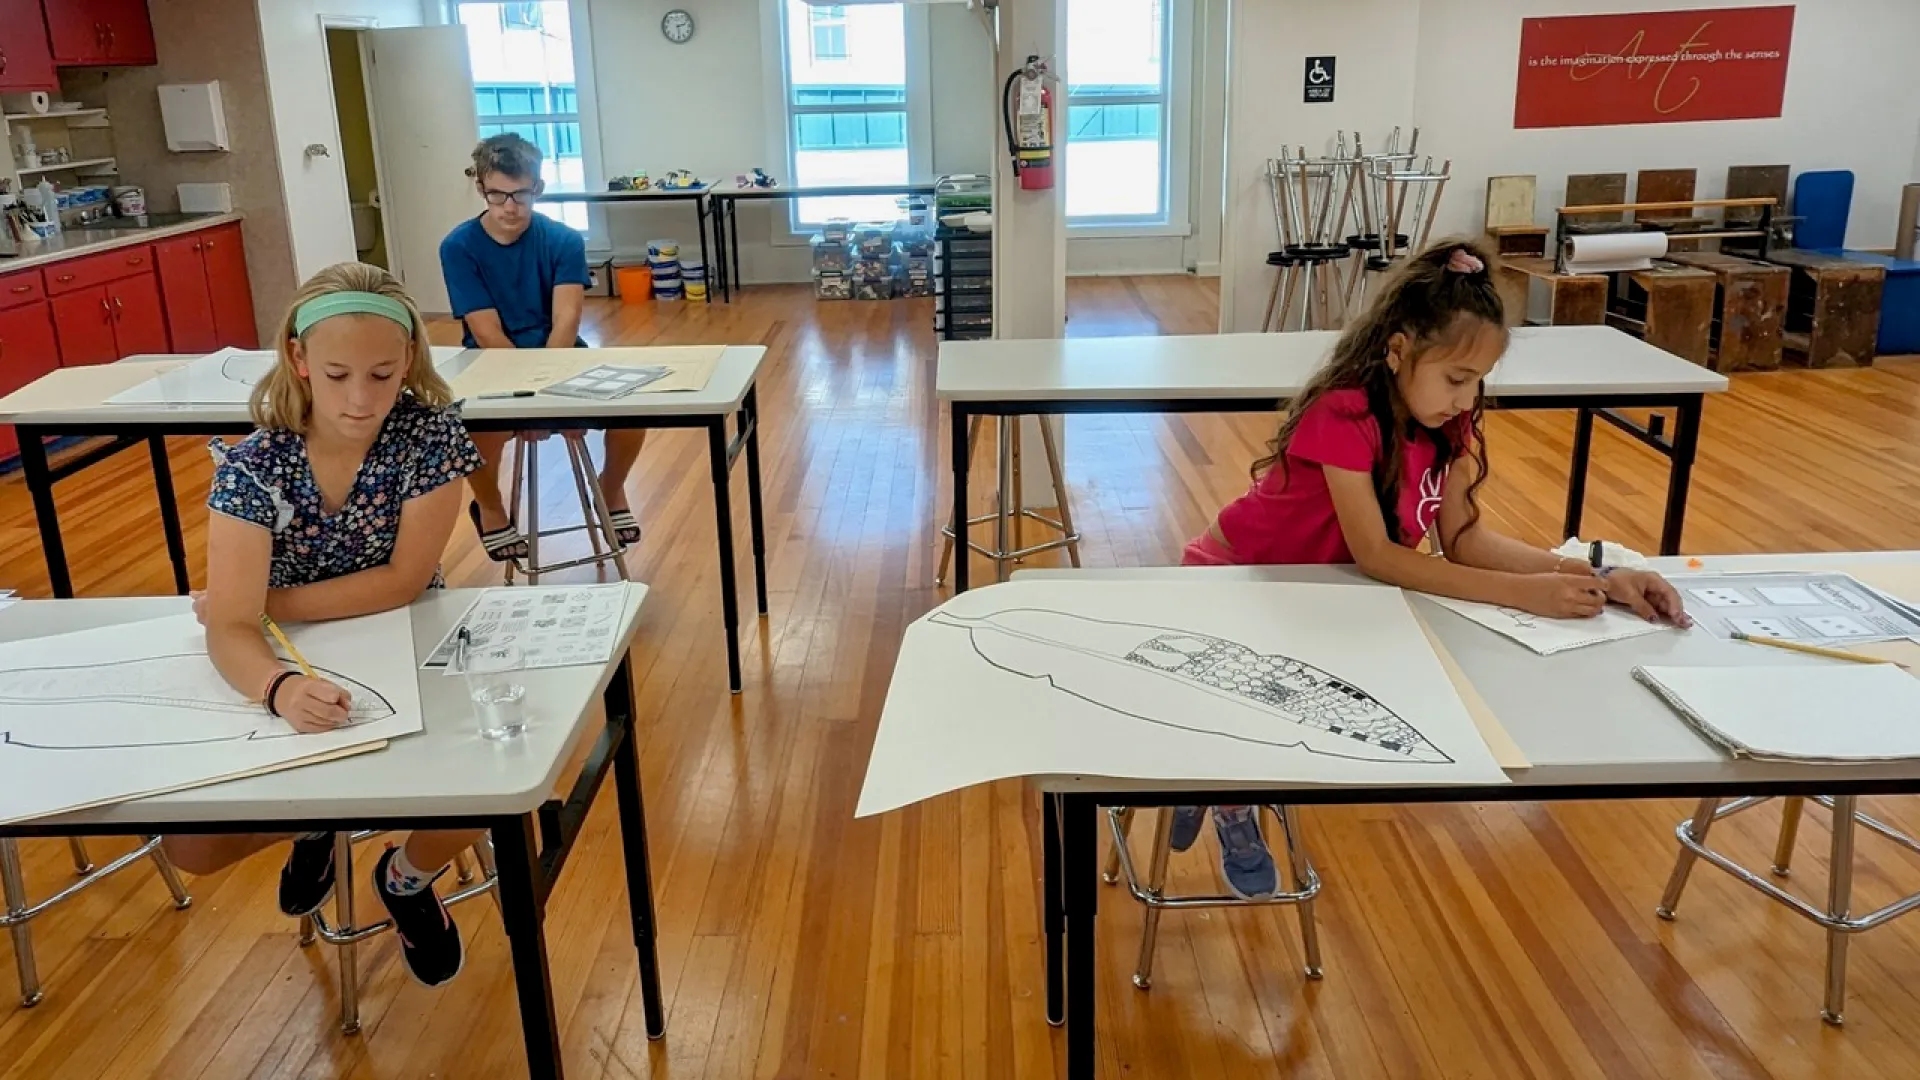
x,y
99,31
232,296
183,284
26,61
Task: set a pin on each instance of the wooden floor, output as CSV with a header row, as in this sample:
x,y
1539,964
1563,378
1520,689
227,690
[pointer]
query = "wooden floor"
x,y
1482,941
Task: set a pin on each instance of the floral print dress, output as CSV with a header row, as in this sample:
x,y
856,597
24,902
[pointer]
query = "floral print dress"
x,y
265,479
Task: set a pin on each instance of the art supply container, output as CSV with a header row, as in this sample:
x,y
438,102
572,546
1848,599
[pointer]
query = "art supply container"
x,y
634,283
493,682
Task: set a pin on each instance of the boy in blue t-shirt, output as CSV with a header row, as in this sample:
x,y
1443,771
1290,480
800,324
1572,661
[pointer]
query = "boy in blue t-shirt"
x,y
518,280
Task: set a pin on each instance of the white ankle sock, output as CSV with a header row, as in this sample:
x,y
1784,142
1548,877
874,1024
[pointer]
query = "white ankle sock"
x,y
403,878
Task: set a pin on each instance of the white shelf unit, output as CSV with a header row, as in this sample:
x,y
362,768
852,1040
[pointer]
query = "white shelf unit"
x,y
72,166
68,114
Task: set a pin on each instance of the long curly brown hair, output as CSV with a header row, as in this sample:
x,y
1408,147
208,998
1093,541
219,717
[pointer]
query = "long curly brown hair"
x,y
1431,304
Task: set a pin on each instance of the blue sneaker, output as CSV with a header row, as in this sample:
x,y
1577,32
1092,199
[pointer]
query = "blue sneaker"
x,y
1186,826
1246,866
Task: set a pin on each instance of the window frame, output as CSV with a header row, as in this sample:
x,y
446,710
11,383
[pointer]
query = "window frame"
x,y
1176,140
826,17
786,230
586,112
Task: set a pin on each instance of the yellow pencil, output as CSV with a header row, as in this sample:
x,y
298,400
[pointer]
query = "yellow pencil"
x,y
281,637
1811,650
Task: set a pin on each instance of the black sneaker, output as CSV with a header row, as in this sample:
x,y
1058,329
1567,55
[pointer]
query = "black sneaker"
x,y
307,879
429,941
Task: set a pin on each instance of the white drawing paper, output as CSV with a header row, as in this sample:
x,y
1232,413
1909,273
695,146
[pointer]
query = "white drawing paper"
x,y
117,712
1230,682
226,377
1815,608
1548,636
1813,712
556,626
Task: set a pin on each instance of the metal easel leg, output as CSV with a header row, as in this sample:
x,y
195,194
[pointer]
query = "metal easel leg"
x,y
1790,809
1060,489
1156,888
1683,864
1839,901
958,528
13,902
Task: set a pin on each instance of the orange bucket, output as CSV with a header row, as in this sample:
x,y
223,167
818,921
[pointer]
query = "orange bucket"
x,y
634,283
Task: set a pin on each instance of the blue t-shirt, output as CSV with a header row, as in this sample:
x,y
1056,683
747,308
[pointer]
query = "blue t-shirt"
x,y
515,280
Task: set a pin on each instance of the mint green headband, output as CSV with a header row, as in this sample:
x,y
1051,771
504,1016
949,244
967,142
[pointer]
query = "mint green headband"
x,y
321,308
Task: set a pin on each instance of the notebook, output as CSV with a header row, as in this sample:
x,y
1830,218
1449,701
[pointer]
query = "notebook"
x,y
1821,713
607,381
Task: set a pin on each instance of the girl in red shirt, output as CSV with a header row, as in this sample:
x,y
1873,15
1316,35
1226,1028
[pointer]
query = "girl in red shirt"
x,y
1382,446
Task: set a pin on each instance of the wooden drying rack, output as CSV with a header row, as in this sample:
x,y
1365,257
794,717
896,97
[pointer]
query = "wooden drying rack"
x,y
1763,232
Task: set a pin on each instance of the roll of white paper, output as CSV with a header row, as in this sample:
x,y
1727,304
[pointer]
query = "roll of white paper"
x,y
1606,253
38,102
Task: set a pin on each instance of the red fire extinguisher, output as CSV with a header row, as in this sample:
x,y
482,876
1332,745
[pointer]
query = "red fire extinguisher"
x,y
1026,105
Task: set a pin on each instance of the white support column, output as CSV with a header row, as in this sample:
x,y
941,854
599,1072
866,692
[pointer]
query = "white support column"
x,y
1030,227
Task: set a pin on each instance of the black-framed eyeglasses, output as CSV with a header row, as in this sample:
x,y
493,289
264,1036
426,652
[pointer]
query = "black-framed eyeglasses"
x,y
523,196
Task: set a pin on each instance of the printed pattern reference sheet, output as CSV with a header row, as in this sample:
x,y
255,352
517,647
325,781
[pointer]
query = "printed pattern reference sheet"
x,y
1548,636
1814,608
557,626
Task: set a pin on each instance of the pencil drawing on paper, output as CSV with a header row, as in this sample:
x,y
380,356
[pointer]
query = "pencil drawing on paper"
x,y
1179,679
111,701
247,368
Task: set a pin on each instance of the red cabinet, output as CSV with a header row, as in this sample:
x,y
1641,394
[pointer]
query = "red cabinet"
x,y
83,321
203,277
88,32
26,62
139,322
27,351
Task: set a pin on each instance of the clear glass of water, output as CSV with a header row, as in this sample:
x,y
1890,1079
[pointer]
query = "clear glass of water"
x,y
493,681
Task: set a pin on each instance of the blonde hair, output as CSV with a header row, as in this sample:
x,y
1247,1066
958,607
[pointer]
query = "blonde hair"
x,y
283,401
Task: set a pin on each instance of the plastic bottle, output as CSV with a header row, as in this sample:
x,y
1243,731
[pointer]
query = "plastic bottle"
x,y
49,203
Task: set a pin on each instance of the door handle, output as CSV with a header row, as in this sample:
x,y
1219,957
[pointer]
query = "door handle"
x,y
64,278
135,260
118,308
19,289
106,313
3,61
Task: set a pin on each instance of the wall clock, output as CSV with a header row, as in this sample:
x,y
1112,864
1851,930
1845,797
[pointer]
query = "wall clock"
x,y
677,25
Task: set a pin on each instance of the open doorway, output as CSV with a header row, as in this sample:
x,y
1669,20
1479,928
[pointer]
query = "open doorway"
x,y
356,144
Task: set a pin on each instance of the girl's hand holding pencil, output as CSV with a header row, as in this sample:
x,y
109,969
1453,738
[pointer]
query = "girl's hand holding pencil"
x,y
306,701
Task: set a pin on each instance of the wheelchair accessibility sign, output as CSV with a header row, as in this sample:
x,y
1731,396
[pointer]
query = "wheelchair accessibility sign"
x,y
1319,79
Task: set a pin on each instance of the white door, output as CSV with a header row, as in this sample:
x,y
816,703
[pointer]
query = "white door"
x,y
420,94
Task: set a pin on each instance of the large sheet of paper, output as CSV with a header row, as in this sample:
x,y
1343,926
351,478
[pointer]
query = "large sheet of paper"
x,y
117,712
1815,608
1822,713
1230,682
552,626
504,371
1548,636
226,377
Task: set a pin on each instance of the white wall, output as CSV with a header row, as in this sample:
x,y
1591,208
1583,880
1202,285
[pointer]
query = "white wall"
x,y
300,89
1450,65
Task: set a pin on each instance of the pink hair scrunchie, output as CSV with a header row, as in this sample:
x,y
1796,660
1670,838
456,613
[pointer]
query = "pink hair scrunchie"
x,y
1463,261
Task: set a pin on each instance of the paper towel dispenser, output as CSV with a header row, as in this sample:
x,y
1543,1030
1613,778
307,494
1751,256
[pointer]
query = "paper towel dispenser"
x,y
192,116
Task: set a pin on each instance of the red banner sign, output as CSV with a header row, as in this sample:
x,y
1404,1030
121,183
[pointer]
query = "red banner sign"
x,y
1660,67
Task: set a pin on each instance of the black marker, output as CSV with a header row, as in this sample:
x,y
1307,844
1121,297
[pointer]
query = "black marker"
x,y
504,394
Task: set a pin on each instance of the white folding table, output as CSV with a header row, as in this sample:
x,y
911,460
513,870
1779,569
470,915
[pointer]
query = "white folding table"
x,y
1591,369
1589,730
74,402
446,777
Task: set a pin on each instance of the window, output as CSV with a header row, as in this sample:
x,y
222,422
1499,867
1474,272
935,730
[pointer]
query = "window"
x,y
1117,109
828,26
846,107
523,82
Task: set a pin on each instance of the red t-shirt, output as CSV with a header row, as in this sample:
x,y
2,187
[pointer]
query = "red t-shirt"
x,y
1287,516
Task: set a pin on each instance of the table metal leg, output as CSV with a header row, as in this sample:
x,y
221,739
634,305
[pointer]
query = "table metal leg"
x,y
1054,918
348,954
169,511
521,909
1839,904
1081,872
962,554
1686,443
33,465
733,244
1577,476
756,521
633,840
706,264
723,523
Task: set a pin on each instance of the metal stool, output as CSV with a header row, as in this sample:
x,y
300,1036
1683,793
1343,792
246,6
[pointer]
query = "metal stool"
x,y
1837,918
1008,503
595,520
1304,884
349,933
16,912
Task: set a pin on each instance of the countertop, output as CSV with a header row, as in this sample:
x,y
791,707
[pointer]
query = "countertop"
x,y
77,242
